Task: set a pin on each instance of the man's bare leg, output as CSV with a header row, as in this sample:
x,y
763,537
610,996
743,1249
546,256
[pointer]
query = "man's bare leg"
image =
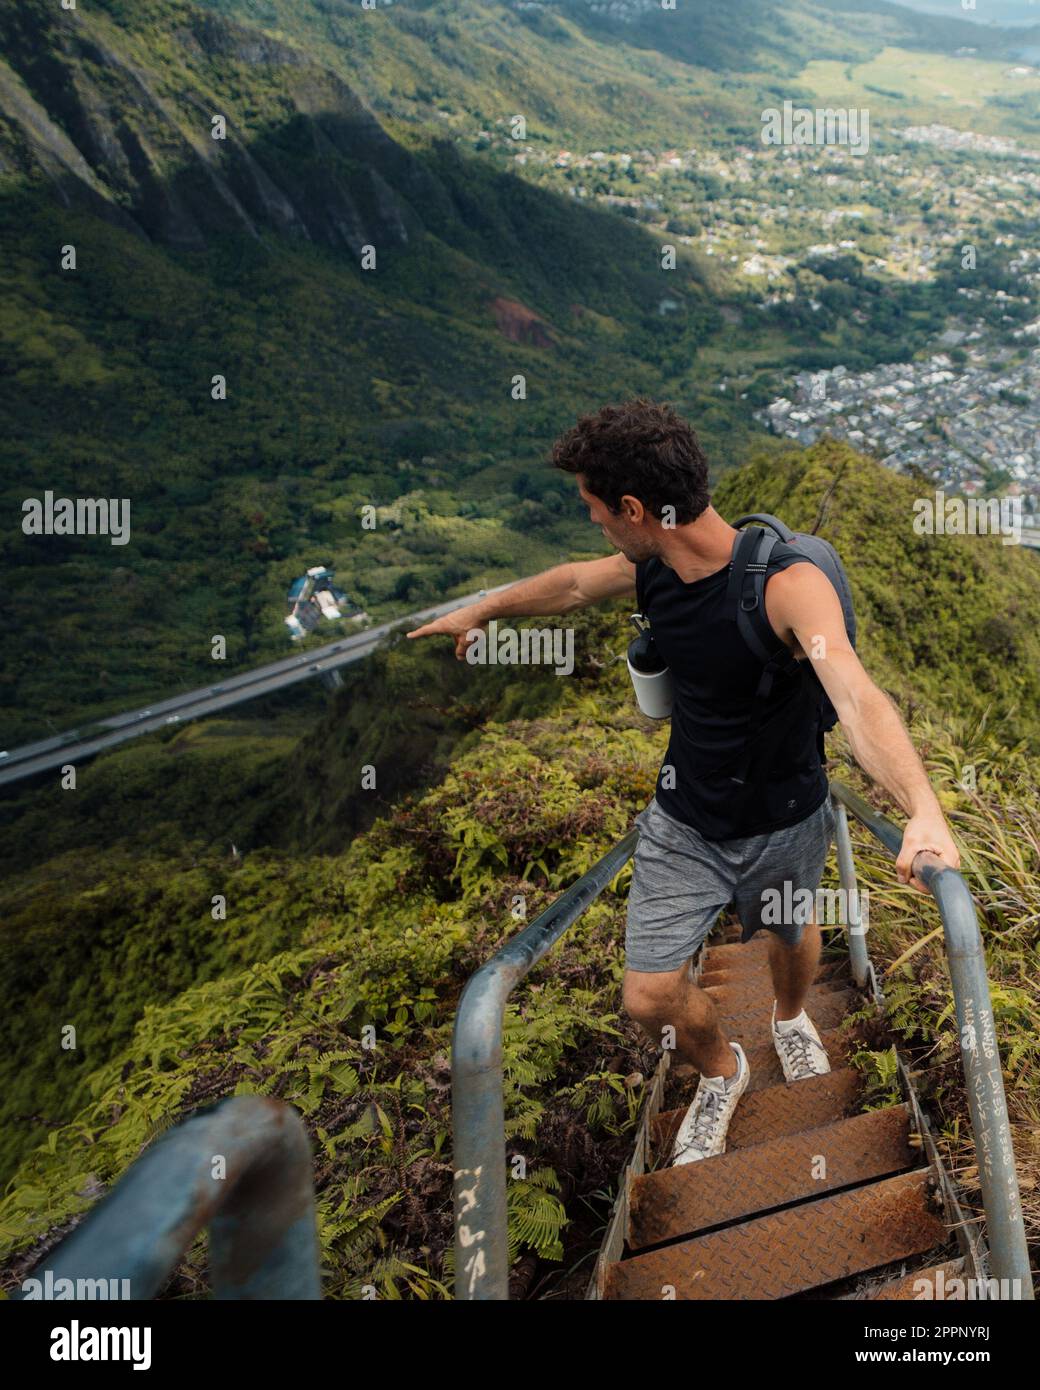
x,y
794,968
657,1000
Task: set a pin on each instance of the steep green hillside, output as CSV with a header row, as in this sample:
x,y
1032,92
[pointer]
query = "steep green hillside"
x,y
387,932
108,890
945,619
616,79
345,387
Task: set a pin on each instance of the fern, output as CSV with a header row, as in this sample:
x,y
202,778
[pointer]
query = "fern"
x,y
880,1071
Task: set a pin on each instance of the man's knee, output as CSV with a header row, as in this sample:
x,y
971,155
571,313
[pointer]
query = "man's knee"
x,y
650,996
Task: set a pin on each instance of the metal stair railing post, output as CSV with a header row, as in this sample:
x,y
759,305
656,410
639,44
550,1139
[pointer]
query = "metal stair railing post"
x,y
980,1055
478,1114
858,957
258,1205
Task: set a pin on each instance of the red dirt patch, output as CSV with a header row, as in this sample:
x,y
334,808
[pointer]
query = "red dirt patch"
x,y
520,324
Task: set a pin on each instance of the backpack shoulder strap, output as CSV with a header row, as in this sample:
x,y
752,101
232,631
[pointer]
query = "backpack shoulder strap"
x,y
778,527
746,595
751,609
744,549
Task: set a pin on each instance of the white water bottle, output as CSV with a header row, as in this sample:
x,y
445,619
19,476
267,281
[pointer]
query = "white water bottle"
x,y
651,678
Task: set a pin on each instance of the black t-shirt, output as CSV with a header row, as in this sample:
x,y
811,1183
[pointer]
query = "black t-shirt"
x,y
715,676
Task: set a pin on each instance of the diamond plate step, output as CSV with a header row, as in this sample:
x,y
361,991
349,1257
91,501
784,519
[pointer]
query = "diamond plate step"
x,y
826,1008
726,944
790,1251
743,994
684,1200
754,956
735,956
834,974
773,1112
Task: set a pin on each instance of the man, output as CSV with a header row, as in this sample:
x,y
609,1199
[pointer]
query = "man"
x,y
704,841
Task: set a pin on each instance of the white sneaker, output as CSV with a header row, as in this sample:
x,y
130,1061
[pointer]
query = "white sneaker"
x,y
799,1048
702,1133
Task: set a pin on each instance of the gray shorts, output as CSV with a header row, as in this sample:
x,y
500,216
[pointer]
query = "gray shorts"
x,y
681,882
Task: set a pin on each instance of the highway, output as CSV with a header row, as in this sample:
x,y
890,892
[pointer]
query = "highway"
x,y
75,745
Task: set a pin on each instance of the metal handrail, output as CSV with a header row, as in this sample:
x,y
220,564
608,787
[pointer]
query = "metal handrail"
x,y
980,1055
242,1168
478,1116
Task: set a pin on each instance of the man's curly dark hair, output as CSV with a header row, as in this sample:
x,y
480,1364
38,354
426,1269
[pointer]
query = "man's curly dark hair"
x,y
642,448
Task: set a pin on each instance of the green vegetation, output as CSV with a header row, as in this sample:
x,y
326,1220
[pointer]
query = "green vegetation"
x,y
611,82
388,387
229,908
109,890
386,931
345,387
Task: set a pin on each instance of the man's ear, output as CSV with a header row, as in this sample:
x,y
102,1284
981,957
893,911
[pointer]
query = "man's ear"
x,y
633,509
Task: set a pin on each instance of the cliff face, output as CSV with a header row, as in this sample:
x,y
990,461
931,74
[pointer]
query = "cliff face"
x,y
116,111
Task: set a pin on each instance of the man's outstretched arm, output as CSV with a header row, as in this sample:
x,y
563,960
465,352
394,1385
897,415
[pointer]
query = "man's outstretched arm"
x,y
555,591
801,600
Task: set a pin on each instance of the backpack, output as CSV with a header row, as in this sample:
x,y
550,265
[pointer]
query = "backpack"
x,y
745,594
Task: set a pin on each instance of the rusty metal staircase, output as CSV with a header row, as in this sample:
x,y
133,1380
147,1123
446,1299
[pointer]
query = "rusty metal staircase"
x,y
814,1197
807,1193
